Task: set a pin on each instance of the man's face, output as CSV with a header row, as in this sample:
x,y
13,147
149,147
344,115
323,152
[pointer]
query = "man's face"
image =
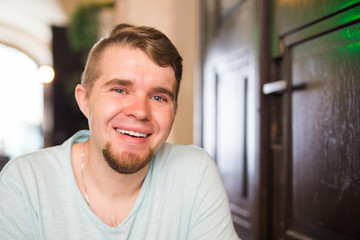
x,y
131,108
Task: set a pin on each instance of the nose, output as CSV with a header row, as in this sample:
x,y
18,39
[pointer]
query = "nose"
x,y
139,109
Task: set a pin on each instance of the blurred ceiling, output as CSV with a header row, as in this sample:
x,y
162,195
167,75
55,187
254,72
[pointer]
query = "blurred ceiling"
x,y
26,24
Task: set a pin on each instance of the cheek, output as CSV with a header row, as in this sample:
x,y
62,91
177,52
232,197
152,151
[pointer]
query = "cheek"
x,y
97,116
105,109
166,121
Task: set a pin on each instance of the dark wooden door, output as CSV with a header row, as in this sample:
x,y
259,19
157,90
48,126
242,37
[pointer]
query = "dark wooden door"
x,y
230,105
316,154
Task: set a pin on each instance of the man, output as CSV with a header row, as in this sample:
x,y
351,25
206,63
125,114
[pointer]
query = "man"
x,y
120,180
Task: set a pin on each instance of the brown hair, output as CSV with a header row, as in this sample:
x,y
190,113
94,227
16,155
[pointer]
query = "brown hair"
x,y
150,40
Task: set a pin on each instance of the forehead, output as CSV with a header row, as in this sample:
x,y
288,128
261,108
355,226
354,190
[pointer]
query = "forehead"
x,y
118,61
123,55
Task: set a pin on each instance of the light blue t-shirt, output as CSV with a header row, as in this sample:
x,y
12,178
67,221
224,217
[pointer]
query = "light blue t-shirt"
x,y
182,197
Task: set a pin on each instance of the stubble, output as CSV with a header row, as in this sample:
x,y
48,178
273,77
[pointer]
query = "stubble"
x,y
126,162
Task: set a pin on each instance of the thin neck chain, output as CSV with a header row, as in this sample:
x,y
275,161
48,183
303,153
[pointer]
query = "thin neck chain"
x,y
83,174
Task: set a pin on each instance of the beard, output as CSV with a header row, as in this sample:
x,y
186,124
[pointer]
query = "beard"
x,y
126,162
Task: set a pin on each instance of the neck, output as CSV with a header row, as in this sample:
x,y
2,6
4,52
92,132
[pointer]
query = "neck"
x,y
111,195
102,180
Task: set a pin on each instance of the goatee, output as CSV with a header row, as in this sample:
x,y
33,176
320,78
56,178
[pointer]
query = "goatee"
x,y
126,162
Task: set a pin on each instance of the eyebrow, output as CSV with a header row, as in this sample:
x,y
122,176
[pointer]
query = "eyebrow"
x,y
117,81
165,91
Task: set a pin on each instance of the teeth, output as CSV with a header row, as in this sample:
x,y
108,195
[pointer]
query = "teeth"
x,y
131,133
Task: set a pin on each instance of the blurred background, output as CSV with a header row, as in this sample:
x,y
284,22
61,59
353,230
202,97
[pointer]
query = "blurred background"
x,y
59,33
270,89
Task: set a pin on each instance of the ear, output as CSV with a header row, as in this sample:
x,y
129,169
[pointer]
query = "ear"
x,y
81,99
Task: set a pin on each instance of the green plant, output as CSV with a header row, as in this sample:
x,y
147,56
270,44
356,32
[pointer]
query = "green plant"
x,y
84,26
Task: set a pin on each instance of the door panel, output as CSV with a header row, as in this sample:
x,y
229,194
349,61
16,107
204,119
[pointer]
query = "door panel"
x,y
295,14
231,142
230,115
325,181
231,134
318,188
316,166
309,183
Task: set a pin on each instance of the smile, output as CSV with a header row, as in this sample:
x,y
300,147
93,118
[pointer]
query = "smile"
x,y
132,133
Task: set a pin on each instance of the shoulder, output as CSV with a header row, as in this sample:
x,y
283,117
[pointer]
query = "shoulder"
x,y
186,160
185,151
182,154
181,170
31,162
40,162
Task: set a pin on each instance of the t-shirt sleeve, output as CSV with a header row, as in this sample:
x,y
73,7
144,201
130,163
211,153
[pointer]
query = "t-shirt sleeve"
x,y
211,218
14,216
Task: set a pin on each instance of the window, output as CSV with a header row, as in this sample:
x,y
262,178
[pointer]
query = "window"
x,y
21,103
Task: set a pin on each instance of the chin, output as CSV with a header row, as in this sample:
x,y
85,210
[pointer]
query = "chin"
x,y
126,162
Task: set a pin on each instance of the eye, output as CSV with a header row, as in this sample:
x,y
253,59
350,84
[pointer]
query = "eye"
x,y
158,98
119,90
